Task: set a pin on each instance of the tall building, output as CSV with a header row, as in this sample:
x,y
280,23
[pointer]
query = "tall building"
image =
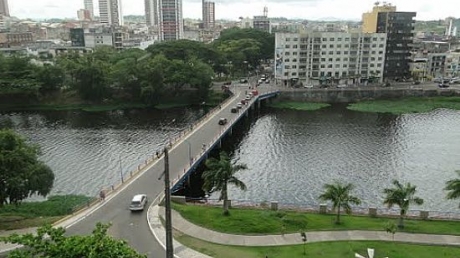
x,y
209,15
171,24
4,10
261,23
370,18
151,13
88,4
329,57
399,27
84,15
110,12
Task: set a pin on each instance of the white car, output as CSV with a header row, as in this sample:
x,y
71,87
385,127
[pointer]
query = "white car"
x,y
308,86
239,105
248,97
138,202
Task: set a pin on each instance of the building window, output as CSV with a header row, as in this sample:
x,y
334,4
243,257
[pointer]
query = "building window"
x,y
324,46
294,67
331,39
294,46
339,46
323,66
324,39
339,39
287,46
288,39
338,52
331,46
323,59
286,60
337,66
337,59
331,52
295,39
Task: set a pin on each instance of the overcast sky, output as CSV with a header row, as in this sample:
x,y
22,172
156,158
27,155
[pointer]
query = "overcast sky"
x,y
232,9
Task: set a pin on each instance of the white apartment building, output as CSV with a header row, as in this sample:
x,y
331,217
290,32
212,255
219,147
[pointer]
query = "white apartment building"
x,y
335,57
110,12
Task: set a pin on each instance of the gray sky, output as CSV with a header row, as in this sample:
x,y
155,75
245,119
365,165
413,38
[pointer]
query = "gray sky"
x,y
232,9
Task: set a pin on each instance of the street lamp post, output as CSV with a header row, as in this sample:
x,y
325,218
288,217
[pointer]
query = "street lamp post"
x,y
121,168
168,222
189,150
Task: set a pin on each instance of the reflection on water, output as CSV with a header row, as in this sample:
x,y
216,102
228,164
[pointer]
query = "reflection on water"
x,y
88,151
290,154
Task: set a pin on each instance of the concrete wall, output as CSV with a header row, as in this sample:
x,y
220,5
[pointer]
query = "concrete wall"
x,y
355,95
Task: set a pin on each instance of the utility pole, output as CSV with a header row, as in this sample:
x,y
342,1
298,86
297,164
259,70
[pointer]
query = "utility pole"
x,y
169,239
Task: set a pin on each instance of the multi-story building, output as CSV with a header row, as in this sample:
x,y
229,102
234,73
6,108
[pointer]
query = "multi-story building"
x,y
331,57
93,37
4,9
209,15
77,37
261,23
10,39
84,15
399,27
88,4
2,22
370,18
151,13
110,12
171,24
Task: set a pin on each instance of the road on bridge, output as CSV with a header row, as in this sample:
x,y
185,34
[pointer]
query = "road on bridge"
x,y
133,227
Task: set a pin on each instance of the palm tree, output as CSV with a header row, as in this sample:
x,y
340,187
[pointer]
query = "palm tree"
x,y
453,188
219,173
339,195
403,196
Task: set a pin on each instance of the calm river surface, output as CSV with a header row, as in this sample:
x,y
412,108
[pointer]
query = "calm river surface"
x,y
290,154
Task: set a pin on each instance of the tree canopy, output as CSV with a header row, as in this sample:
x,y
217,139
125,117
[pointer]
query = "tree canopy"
x,y
53,243
21,173
340,196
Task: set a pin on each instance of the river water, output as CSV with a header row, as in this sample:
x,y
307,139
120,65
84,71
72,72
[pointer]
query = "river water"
x,y
290,154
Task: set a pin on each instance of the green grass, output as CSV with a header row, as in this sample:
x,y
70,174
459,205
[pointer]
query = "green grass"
x,y
407,105
259,221
32,214
340,249
309,106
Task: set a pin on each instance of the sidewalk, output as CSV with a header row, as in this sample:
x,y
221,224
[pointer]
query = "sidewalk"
x,y
195,231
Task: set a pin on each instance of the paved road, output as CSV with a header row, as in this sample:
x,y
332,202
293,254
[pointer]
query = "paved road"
x,y
133,227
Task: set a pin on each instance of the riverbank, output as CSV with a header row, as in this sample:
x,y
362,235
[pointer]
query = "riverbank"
x,y
407,105
35,214
69,102
247,221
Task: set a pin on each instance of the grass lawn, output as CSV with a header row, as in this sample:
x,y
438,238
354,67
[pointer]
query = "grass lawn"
x,y
35,214
341,249
407,105
259,221
309,106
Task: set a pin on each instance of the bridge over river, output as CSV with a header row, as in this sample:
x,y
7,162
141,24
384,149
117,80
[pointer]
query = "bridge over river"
x,y
185,153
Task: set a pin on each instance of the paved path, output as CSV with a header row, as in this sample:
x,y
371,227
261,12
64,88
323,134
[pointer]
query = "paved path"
x,y
184,226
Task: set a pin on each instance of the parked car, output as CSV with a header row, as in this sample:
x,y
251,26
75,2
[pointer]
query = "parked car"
x,y
234,109
243,80
138,202
248,97
222,121
243,101
443,85
239,105
341,86
308,86
267,81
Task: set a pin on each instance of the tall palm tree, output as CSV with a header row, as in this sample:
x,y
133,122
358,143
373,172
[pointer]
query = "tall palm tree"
x,y
340,196
403,196
219,173
453,188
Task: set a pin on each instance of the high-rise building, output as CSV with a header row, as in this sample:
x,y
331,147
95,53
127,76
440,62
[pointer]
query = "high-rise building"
x,y
209,15
399,27
110,12
88,4
261,23
370,18
84,15
4,10
171,24
151,13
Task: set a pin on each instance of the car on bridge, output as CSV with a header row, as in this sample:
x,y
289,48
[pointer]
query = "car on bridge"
x,y
234,109
222,121
138,202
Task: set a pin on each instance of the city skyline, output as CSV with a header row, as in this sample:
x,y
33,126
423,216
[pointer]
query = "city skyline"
x,y
232,9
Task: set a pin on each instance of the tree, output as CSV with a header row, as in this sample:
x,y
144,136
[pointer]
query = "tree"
x,y
53,243
403,196
219,173
340,196
453,188
21,173
50,77
391,228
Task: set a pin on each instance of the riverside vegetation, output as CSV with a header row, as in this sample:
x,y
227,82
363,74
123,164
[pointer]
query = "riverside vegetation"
x,y
394,106
165,75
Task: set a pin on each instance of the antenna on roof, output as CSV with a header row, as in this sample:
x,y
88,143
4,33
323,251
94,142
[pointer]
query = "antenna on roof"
x,y
265,11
